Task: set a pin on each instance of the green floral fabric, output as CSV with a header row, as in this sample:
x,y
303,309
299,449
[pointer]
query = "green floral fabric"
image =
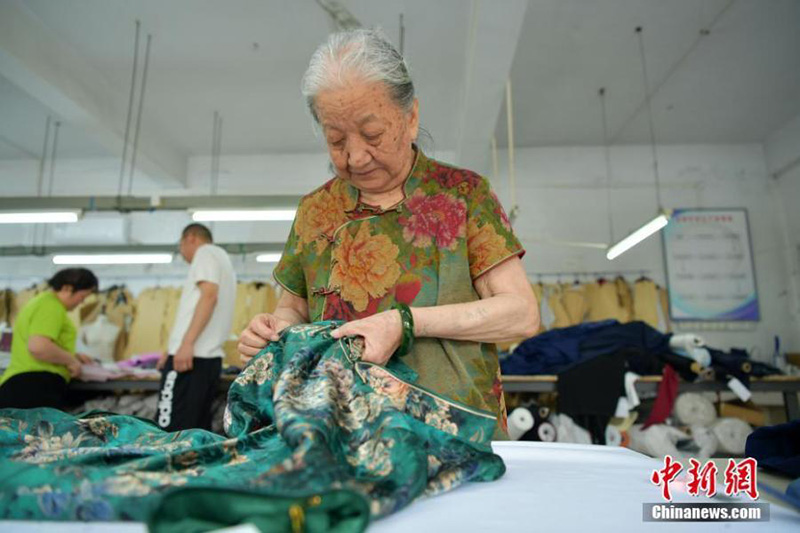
x,y
313,434
351,260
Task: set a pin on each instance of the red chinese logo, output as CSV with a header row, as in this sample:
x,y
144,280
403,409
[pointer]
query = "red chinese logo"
x,y
665,475
739,477
702,479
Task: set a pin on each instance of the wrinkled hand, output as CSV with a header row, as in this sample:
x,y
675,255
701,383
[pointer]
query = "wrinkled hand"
x,y
382,334
162,361
85,359
183,360
74,368
262,330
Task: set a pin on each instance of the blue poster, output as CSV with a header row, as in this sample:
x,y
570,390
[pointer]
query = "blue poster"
x,y
709,264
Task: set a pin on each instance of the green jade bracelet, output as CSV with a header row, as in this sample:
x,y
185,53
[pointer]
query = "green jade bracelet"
x,y
407,320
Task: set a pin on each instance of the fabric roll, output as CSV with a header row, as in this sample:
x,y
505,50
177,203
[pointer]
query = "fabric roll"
x,y
520,421
613,436
568,431
541,430
656,441
686,341
732,435
693,409
777,448
547,432
706,441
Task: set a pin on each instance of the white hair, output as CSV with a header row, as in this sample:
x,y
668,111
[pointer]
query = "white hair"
x,y
362,54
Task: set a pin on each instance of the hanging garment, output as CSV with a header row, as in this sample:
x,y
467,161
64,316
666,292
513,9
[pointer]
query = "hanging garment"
x,y
625,299
553,294
306,420
663,308
646,302
667,392
574,298
6,305
588,392
100,338
604,303
146,331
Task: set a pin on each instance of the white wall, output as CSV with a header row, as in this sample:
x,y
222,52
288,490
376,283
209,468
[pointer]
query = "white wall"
x,y
782,153
562,195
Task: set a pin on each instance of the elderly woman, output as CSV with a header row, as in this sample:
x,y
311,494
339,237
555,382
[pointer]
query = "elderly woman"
x,y
416,256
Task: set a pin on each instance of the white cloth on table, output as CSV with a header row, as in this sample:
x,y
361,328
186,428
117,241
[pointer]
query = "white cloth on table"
x,y
547,487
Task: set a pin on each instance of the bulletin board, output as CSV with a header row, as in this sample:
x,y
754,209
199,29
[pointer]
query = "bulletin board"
x,y
709,263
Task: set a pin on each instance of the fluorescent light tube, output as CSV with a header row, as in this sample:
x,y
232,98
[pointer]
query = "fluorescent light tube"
x,y
112,259
40,217
268,258
242,215
637,236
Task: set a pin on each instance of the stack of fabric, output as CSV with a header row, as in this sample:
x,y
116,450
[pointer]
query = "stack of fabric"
x,y
595,361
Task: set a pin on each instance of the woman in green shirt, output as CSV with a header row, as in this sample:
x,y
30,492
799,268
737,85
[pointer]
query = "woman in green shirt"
x,y
43,358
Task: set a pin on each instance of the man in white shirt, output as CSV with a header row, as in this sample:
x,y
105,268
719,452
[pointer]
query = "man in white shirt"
x,y
191,368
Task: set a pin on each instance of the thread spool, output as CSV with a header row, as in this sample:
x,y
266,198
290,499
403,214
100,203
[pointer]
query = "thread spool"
x,y
547,432
520,421
613,436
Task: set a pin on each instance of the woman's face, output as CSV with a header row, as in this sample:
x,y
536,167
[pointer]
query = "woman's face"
x,y
369,137
74,298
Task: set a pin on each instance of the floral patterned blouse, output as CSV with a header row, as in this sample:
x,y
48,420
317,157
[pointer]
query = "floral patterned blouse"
x,y
350,260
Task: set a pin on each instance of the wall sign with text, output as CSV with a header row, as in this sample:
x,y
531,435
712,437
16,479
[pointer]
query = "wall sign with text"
x,y
710,266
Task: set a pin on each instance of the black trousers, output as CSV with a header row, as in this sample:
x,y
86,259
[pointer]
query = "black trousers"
x,y
33,389
186,397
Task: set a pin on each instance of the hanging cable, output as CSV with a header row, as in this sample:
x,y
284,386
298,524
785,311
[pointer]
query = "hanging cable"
x,y
53,155
402,35
42,159
704,32
130,112
648,103
512,179
219,154
216,146
139,114
213,160
607,150
495,166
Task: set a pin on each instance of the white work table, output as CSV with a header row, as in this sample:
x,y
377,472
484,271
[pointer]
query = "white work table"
x,y
548,487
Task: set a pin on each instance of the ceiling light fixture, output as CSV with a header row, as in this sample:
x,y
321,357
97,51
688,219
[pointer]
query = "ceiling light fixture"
x,y
268,258
662,219
40,217
112,259
638,236
242,215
